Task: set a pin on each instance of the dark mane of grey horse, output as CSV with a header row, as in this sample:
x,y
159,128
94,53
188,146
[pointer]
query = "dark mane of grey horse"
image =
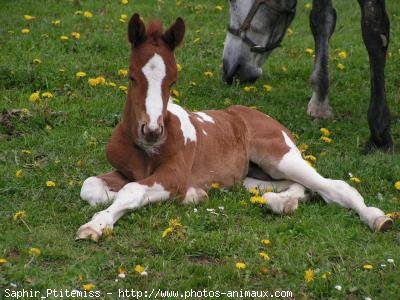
x,y
257,26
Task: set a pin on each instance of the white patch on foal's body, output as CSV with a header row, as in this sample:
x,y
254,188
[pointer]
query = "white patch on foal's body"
x,y
154,71
203,117
95,191
187,128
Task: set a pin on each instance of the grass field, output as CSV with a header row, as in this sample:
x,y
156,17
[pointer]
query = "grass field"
x,y
50,145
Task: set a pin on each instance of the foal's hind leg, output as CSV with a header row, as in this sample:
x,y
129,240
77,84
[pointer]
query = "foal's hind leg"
x,y
292,166
282,196
322,23
103,188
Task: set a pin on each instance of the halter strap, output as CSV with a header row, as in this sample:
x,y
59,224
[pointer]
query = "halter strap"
x,y
241,31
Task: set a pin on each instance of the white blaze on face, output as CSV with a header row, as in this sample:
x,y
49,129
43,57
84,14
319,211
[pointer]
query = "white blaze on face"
x,y
154,71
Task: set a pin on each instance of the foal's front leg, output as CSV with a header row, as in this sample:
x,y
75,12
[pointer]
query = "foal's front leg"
x,y
168,179
322,23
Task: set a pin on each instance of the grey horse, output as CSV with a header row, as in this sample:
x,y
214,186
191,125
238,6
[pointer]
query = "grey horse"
x,y
257,27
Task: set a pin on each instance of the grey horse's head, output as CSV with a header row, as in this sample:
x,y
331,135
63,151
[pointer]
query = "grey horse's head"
x,y
255,29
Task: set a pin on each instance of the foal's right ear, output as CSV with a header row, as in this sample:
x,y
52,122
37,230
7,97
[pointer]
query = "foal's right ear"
x,y
136,30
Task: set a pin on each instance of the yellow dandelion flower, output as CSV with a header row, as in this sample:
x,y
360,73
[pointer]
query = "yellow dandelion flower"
x,y
309,275
19,173
304,147
368,267
122,270
123,72
178,67
310,158
395,215
47,95
56,22
88,287
258,200
342,54
26,152
123,18
326,275
355,179
124,2
29,18
249,88
215,185
93,81
326,139
167,232
123,89
110,83
265,242
310,51
254,191
397,185
76,35
240,265
19,215
50,183
341,66
3,261
37,61
289,31
34,251
78,12
64,38
208,74
80,74
325,131
174,223
175,93
139,269
264,255
267,88
25,30
107,231
34,97
87,14
219,7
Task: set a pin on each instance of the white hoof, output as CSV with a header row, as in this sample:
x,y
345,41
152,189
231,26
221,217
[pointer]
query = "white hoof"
x,y
95,191
382,223
195,196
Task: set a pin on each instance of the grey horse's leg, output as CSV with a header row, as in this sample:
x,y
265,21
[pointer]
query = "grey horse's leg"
x,y
322,23
375,31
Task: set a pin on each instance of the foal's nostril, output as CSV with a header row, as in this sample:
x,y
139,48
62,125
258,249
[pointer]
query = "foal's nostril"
x,y
143,129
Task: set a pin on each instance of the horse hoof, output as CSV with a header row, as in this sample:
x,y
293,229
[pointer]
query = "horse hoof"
x,y
383,223
85,233
290,206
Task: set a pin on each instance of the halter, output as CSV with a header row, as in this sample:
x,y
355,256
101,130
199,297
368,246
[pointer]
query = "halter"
x,y
241,31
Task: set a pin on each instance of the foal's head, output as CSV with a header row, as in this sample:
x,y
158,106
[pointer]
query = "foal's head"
x,y
152,72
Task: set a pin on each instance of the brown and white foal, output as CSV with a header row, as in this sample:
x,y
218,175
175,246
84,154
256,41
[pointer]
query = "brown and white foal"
x,y
161,150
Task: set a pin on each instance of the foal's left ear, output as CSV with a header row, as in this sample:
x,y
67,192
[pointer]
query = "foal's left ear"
x,y
173,36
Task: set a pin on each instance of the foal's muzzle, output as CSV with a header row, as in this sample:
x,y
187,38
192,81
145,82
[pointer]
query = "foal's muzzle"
x,y
151,134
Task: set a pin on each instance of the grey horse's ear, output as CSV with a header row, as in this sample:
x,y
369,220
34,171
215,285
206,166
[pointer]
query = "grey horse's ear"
x,y
173,36
136,30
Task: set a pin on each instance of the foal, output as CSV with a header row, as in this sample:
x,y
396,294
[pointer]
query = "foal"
x,y
161,150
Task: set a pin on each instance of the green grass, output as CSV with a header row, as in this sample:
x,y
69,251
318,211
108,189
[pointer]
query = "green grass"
x,y
318,237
